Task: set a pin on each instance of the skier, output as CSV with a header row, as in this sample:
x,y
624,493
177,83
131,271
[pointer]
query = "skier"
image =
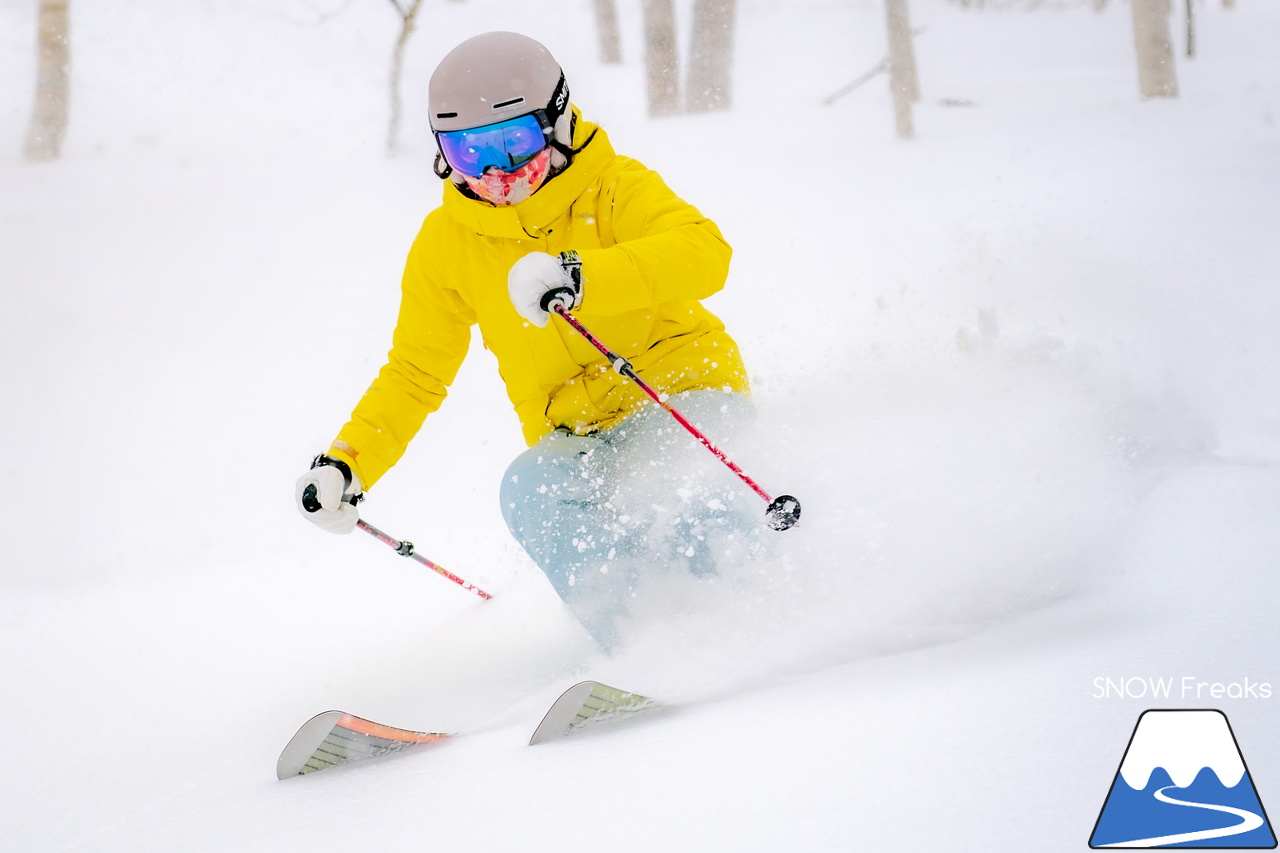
x,y
536,203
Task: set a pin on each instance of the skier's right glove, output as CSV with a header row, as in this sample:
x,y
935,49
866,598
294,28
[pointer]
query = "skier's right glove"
x,y
328,493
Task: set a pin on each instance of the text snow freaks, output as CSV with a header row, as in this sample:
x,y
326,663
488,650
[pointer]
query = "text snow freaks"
x,y
1186,687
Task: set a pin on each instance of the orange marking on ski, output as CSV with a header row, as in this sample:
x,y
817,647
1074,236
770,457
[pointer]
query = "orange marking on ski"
x,y
365,727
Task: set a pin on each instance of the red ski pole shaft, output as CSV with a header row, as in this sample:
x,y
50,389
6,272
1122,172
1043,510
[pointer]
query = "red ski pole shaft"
x,y
405,549
783,512
623,367
311,503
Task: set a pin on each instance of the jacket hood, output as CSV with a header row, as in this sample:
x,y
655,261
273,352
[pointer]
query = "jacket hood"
x,y
531,218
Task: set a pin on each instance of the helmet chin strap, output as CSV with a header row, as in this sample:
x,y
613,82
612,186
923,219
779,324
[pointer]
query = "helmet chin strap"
x,y
441,166
562,142
559,162
563,130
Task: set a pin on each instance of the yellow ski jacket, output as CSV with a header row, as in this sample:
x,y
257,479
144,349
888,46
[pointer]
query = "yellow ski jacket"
x,y
647,258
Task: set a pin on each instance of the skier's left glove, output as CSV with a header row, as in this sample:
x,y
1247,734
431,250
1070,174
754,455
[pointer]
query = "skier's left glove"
x,y
538,280
328,493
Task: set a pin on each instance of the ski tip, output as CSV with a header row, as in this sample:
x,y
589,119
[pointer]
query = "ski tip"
x,y
588,703
562,713
298,751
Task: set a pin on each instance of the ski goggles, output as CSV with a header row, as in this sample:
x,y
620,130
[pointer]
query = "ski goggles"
x,y
508,145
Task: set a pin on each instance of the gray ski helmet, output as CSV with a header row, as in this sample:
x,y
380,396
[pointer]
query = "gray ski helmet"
x,y
496,76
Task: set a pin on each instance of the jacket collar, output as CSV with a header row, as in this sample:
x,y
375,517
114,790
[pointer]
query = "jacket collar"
x,y
531,218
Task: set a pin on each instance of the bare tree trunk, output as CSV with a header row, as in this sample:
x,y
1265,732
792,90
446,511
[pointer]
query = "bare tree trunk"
x,y
408,20
1191,28
661,61
1156,75
53,66
904,83
710,57
607,31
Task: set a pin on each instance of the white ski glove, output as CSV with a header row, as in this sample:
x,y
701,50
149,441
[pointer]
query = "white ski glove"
x,y
538,280
328,493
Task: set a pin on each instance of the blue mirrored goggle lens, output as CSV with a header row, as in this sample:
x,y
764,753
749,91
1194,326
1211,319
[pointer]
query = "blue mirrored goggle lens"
x,y
506,145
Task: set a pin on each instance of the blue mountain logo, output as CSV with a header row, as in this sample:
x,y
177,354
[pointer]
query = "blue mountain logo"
x,y
1183,783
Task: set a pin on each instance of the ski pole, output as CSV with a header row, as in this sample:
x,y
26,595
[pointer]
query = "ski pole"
x,y
405,549
781,512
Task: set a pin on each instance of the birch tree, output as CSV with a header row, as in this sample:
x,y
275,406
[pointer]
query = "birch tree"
x,y
408,11
661,57
904,82
710,56
1157,77
1191,28
610,39
53,65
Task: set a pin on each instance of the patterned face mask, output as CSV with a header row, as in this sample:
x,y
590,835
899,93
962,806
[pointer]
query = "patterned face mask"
x,y
503,188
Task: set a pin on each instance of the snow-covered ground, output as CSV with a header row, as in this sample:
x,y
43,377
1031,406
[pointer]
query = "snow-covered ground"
x,y
1021,371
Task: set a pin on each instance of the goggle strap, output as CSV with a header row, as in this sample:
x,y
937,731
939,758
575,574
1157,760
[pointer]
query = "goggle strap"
x,y
559,100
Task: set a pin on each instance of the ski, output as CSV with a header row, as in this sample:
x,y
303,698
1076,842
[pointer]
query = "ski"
x,y
589,703
336,737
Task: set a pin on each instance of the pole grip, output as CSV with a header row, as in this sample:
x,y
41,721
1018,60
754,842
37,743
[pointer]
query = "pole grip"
x,y
309,500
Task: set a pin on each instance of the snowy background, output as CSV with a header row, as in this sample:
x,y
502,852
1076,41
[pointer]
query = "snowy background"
x,y
1022,371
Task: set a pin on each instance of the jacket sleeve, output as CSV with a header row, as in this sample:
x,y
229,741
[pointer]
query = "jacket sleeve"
x,y
665,251
430,341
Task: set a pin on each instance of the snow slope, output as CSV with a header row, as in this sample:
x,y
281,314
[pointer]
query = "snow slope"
x,y
1021,371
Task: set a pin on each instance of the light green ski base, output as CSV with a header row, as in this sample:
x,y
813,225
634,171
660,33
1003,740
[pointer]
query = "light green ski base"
x,y
589,703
